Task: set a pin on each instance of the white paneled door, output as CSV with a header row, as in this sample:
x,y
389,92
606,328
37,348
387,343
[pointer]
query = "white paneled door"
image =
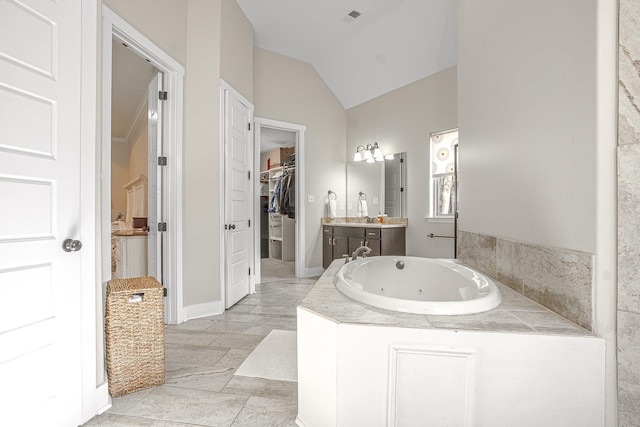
x,y
237,198
40,317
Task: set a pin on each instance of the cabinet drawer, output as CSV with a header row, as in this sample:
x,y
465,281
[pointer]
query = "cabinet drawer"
x,y
372,233
375,247
349,232
327,231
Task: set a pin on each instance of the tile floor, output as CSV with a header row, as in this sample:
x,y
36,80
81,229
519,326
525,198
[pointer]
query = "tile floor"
x,y
202,356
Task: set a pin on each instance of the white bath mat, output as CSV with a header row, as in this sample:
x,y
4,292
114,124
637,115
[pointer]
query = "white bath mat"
x,y
275,358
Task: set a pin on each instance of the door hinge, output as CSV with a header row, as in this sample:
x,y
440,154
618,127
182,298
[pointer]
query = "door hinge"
x,y
248,174
162,161
162,95
249,221
162,226
401,160
164,292
401,189
249,126
249,271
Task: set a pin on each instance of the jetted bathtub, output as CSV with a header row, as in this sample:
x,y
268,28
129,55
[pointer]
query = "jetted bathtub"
x,y
417,285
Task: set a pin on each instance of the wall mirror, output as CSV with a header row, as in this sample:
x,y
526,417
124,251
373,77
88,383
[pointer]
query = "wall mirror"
x,y
378,187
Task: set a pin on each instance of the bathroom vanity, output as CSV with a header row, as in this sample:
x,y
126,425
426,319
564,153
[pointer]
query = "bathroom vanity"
x,y
130,255
343,236
518,364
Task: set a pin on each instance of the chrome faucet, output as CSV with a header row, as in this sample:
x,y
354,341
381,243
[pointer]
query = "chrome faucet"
x,y
365,250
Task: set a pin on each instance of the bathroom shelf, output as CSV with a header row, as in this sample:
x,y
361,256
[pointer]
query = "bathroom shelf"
x,y
281,237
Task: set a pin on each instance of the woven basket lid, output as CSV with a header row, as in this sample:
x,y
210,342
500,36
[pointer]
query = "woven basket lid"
x,y
133,284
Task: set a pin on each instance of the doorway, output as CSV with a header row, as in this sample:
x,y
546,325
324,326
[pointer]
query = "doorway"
x,y
279,242
134,178
169,156
277,202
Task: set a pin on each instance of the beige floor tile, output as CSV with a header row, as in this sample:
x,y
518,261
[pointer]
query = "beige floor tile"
x,y
244,341
196,355
234,358
198,377
261,411
262,387
205,408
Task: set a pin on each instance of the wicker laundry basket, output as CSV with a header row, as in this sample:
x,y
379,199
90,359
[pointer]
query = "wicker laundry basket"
x,y
134,330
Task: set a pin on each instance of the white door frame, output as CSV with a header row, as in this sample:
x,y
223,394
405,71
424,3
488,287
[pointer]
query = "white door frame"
x,y
95,396
115,26
226,87
300,241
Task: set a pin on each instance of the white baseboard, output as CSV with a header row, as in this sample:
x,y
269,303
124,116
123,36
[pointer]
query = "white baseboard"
x,y
313,272
104,399
203,310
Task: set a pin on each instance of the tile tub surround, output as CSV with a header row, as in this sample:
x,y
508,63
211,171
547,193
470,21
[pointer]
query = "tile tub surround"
x,y
628,227
559,279
628,342
516,313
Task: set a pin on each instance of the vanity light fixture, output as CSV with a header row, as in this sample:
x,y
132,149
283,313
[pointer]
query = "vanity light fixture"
x,y
370,153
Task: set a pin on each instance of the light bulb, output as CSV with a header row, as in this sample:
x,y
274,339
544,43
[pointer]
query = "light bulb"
x,y
357,157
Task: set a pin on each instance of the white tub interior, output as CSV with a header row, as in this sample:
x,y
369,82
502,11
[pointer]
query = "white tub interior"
x,y
418,285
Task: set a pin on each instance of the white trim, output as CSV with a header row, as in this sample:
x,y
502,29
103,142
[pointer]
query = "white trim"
x,y
114,26
104,404
197,311
93,397
301,255
226,87
221,195
605,265
141,44
428,350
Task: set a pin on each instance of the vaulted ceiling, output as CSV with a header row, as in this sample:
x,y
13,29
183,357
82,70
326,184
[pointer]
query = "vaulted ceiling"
x,y
390,44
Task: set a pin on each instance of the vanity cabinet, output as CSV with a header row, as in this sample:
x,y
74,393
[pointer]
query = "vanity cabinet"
x,y
130,257
342,240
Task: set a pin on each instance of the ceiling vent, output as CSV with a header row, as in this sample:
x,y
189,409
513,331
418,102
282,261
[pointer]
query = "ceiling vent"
x,y
351,16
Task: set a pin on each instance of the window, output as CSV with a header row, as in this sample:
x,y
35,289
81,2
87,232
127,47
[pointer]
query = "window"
x,y
443,168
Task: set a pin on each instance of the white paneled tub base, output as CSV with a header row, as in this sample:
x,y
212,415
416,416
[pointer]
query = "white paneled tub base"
x,y
368,375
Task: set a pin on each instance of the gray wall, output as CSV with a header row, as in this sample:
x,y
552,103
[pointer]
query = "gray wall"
x,y
527,120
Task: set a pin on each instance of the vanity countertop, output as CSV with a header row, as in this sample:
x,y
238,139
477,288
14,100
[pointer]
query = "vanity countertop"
x,y
516,313
129,233
389,222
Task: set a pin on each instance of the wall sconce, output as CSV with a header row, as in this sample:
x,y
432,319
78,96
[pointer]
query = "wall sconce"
x,y
370,153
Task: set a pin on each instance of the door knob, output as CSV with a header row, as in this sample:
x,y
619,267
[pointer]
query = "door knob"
x,y
70,245
232,226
